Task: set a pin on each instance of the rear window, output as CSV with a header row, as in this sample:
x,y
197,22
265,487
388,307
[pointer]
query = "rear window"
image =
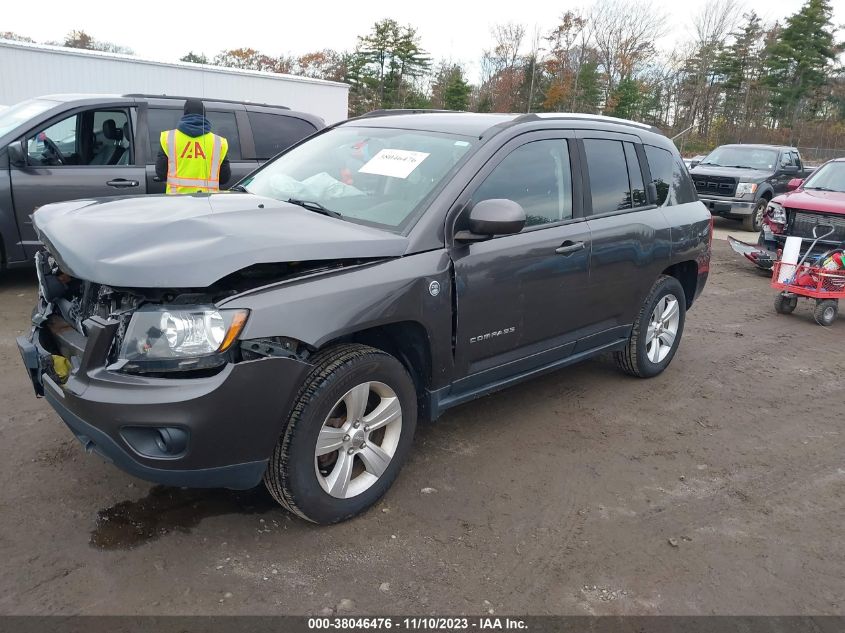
x,y
670,176
222,123
274,133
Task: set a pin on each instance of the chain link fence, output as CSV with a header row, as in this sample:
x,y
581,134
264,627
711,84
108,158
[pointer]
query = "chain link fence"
x,y
819,155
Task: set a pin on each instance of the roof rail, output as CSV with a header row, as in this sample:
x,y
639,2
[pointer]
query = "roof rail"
x,y
585,117
251,103
390,112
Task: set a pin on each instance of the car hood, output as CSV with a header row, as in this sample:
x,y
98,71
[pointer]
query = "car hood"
x,y
743,175
191,241
810,200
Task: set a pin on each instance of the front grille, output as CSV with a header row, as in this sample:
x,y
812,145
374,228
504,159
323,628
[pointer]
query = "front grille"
x,y
803,223
715,185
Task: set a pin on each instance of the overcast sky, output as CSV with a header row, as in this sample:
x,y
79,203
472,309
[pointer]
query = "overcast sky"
x,y
450,29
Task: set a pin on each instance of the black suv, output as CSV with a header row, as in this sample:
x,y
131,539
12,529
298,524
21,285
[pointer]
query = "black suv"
x,y
738,181
390,267
63,147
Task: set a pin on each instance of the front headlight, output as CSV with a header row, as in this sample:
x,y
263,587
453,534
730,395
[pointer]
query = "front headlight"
x,y
745,188
776,212
179,338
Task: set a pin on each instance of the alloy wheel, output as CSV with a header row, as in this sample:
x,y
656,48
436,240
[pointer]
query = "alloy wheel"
x,y
358,439
662,328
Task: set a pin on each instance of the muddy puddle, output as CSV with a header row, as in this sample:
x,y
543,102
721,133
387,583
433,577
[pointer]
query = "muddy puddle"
x,y
164,510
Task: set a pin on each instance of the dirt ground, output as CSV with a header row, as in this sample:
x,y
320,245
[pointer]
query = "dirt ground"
x,y
716,488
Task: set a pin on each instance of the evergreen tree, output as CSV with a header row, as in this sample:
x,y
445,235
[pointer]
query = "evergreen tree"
x,y
740,65
194,58
625,100
589,92
456,92
799,61
392,55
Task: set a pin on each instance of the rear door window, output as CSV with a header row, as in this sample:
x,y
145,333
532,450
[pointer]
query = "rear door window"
x,y
274,133
608,171
158,120
222,123
635,175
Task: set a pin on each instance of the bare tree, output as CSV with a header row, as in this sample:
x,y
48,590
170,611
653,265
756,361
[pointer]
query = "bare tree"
x,y
501,67
624,32
711,27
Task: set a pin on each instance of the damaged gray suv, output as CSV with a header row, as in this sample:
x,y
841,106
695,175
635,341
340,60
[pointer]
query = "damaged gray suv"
x,y
296,328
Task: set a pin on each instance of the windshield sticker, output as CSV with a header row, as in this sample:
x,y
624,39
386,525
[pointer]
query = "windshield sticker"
x,y
396,163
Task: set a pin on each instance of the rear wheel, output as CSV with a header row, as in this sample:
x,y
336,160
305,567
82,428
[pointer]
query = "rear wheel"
x,y
826,311
347,436
785,304
754,222
657,330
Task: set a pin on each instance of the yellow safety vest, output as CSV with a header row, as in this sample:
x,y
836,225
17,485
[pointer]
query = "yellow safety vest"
x,y
193,163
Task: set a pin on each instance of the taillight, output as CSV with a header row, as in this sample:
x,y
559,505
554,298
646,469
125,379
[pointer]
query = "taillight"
x,y
704,259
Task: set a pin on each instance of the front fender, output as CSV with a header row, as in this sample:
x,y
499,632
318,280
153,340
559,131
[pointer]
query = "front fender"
x,y
320,309
765,189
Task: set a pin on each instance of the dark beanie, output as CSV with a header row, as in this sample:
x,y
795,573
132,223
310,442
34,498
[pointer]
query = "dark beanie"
x,y
194,106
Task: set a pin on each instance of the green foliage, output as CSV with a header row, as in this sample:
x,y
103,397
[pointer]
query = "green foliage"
x,y
388,59
456,93
79,39
625,101
798,63
194,58
450,89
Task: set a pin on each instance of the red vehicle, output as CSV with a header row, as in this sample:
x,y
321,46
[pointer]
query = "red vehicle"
x,y
817,201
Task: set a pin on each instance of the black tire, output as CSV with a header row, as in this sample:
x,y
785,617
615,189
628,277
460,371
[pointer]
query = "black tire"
x,y
826,311
291,476
785,305
633,359
754,222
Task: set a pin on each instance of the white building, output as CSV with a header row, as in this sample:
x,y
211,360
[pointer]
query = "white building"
x,y
31,70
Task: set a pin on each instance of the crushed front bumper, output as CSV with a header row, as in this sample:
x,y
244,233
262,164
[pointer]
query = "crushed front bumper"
x,y
228,423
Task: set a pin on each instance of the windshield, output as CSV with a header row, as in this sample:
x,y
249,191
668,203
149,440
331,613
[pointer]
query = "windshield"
x,y
828,177
12,117
749,157
369,175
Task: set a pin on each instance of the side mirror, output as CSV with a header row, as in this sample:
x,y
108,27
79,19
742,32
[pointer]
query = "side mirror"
x,y
694,163
794,184
497,216
17,157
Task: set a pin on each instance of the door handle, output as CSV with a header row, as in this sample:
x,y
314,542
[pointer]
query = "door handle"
x,y
568,247
122,182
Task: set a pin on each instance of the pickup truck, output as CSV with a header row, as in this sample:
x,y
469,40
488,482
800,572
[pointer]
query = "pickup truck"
x,y
382,271
738,181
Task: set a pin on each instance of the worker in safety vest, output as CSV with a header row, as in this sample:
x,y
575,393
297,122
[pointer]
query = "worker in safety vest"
x,y
191,157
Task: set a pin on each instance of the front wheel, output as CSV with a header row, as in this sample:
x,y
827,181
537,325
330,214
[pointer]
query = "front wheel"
x,y
826,311
754,222
785,304
347,436
657,330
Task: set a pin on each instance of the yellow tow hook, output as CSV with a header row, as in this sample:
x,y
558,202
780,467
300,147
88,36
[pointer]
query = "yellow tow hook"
x,y
62,367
